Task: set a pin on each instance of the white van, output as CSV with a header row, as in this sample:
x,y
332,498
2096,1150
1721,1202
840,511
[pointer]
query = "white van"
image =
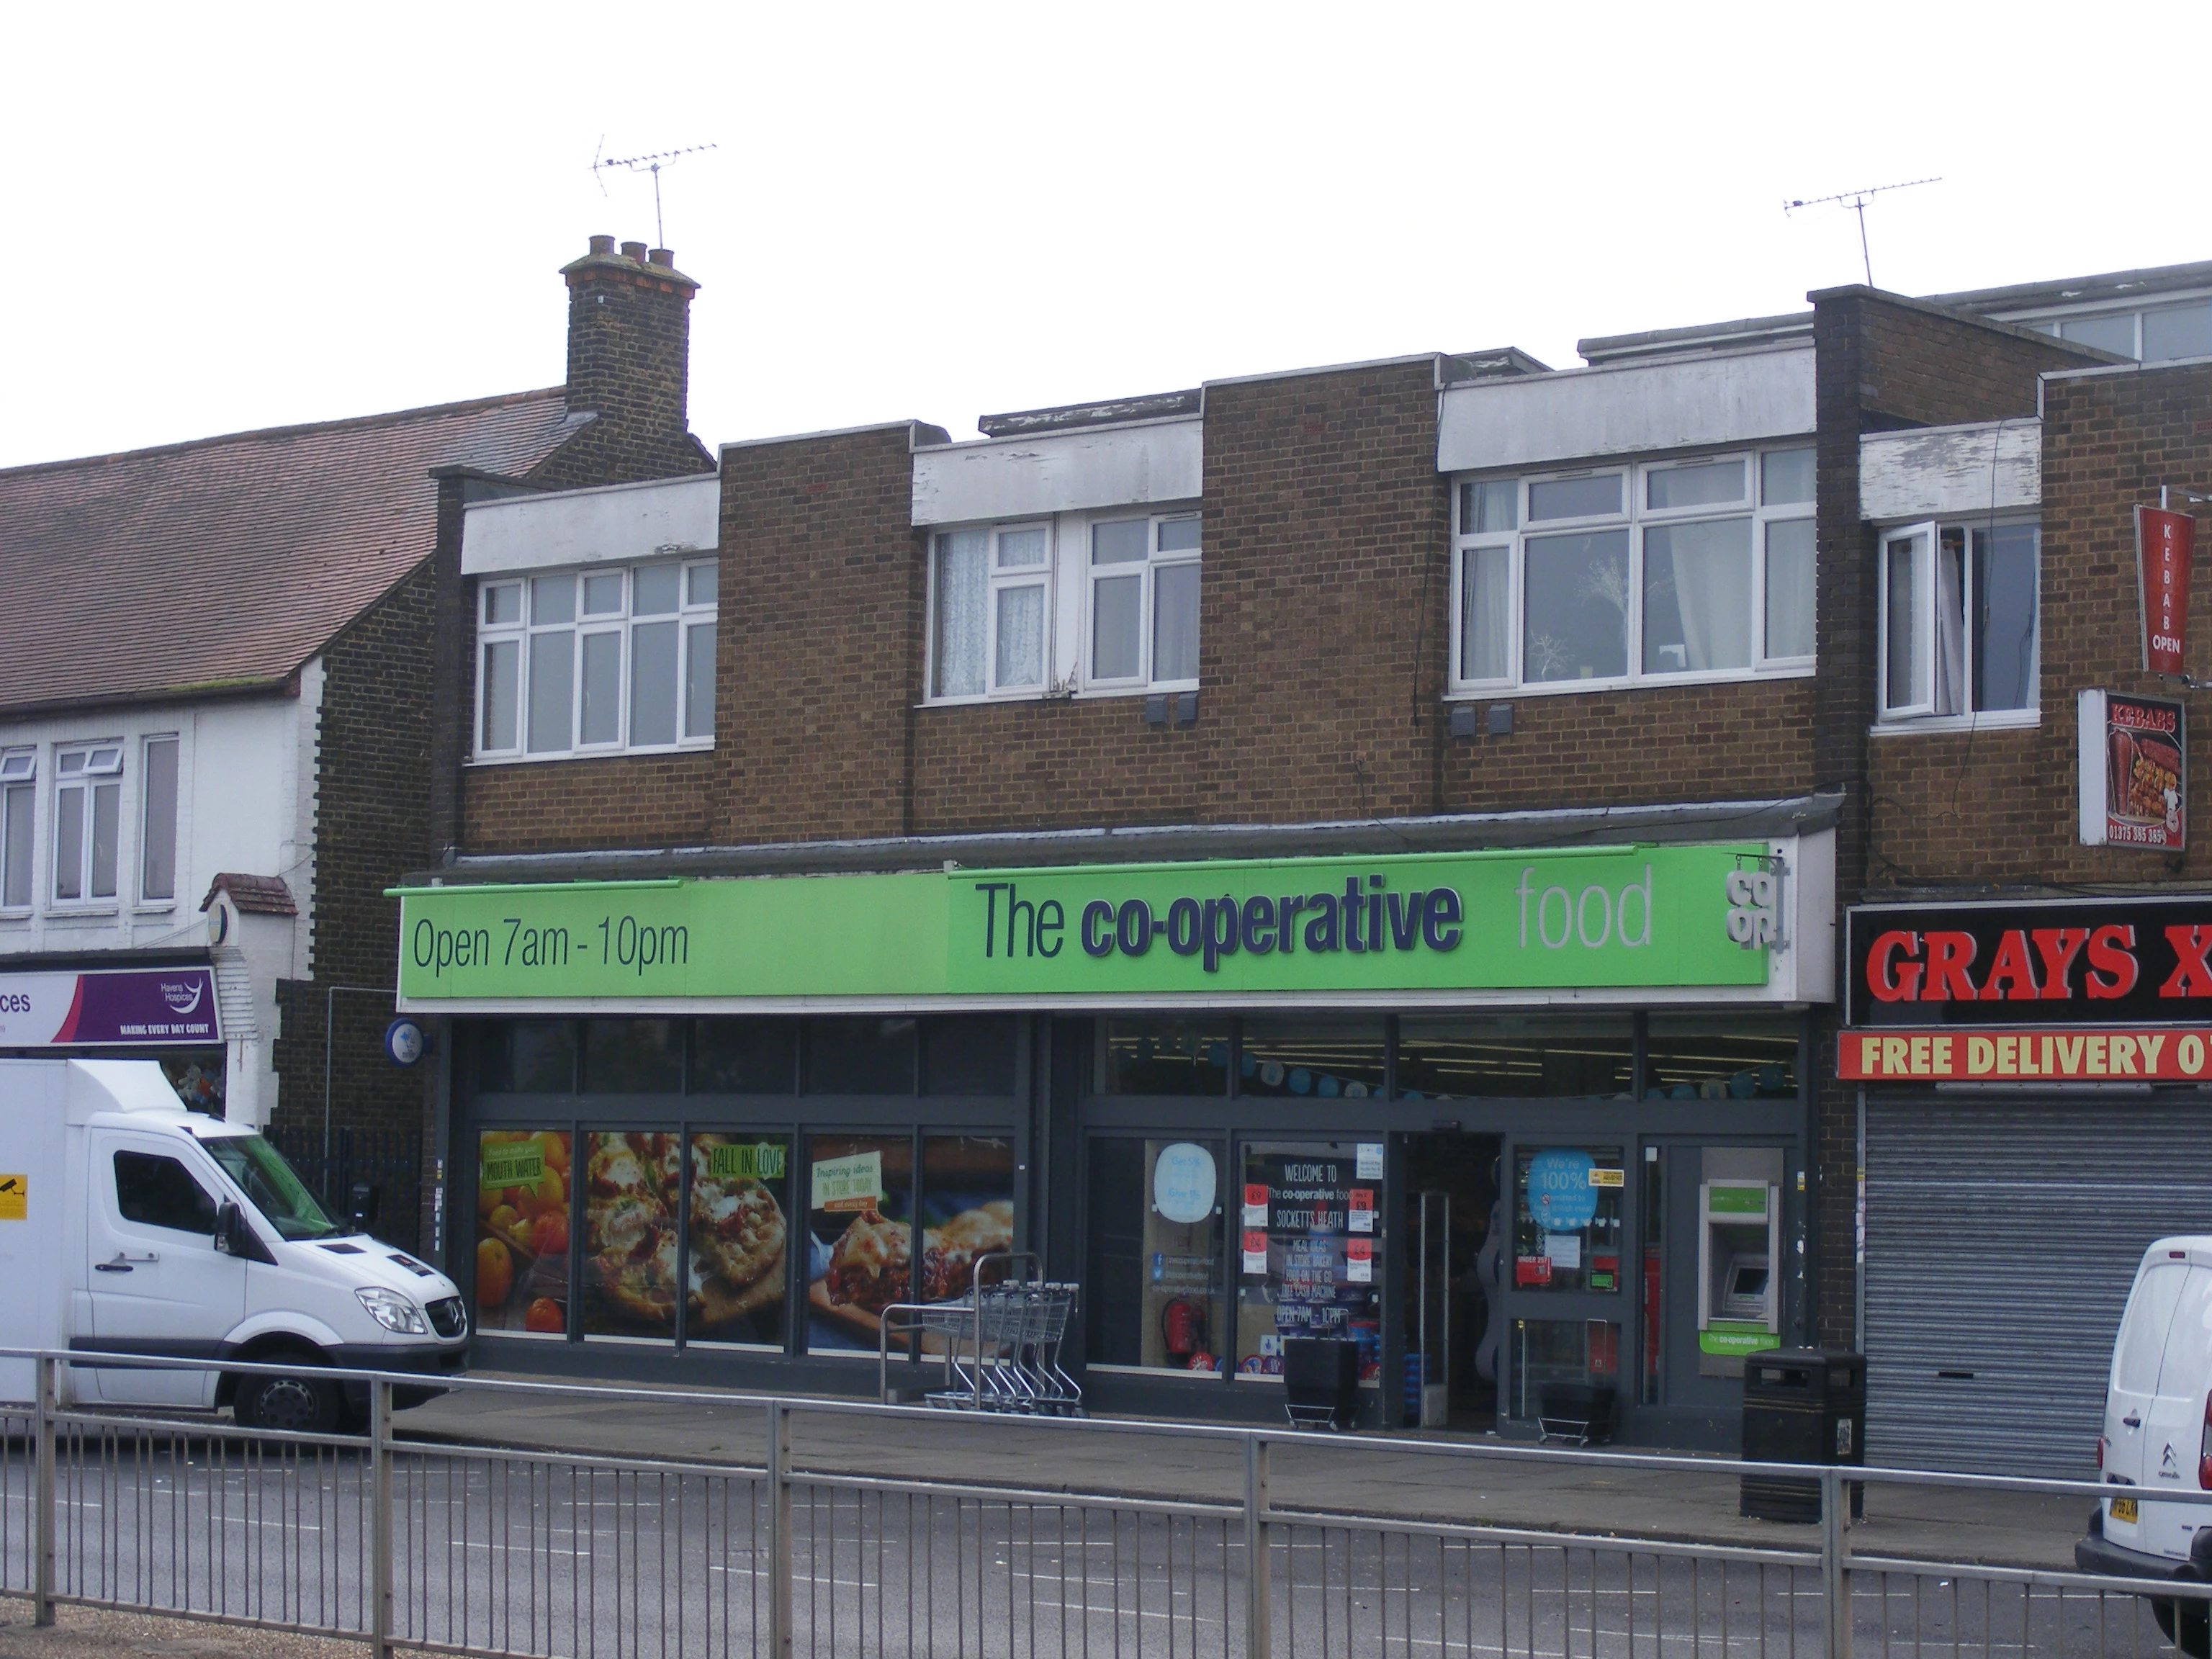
x,y
131,1225
2158,1434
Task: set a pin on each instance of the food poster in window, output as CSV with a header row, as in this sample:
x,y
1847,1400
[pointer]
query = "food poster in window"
x,y
740,1187
632,1199
1304,1270
522,1238
967,1212
860,1238
1566,1234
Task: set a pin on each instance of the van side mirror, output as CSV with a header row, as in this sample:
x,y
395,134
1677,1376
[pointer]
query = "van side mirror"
x,y
234,1236
365,1199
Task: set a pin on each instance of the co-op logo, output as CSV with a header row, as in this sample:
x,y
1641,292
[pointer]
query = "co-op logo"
x,y
183,996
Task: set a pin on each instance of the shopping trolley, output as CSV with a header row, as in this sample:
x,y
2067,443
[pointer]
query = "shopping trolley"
x,y
999,1345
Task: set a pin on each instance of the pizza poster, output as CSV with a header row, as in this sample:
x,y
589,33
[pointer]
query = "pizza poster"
x,y
2134,772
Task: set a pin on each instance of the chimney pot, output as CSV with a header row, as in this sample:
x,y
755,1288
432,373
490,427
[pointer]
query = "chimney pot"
x,y
661,256
634,251
602,245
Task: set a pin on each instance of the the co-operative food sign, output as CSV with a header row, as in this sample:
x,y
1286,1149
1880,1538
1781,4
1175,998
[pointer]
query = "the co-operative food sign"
x,y
1628,917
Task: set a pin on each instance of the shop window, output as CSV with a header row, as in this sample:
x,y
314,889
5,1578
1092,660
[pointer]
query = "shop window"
x,y
859,1237
739,1237
1322,1058
1566,1218
632,1200
968,1054
198,1080
1551,1356
1694,568
633,1056
1475,1057
1309,1251
859,1054
527,1057
1958,620
1153,1288
522,1237
967,1212
1163,1057
753,1054
1701,1057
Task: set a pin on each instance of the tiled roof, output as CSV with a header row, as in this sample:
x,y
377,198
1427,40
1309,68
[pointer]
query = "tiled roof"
x,y
227,562
256,896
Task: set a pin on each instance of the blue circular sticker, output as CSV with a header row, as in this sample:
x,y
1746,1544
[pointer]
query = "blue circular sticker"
x,y
1560,1197
404,1042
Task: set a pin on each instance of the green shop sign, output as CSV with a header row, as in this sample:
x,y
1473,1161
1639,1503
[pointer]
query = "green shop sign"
x,y
1631,917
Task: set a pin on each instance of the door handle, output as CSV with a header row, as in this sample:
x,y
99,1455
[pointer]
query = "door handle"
x,y
111,1267
122,1262
2132,1420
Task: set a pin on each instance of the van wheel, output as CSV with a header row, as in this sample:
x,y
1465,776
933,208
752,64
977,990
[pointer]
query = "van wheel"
x,y
2193,1640
291,1405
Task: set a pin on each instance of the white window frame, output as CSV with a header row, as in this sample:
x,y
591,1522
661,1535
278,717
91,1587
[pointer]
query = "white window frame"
x,y
1148,622
687,617
1921,713
997,583
19,770
99,766
1635,518
146,743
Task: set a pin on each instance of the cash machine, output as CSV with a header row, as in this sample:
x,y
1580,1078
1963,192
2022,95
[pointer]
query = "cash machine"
x,y
1739,1255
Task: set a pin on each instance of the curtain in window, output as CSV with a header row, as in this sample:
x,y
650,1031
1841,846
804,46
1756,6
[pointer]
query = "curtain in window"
x,y
962,600
1175,623
1789,572
1485,598
1706,569
1951,622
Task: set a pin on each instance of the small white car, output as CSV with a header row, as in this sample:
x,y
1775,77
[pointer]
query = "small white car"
x,y
2157,1437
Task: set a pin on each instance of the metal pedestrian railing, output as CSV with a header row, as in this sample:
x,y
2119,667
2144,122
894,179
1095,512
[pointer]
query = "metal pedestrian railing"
x,y
520,1552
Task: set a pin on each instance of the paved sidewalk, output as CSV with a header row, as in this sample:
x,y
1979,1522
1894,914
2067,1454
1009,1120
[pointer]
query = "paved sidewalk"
x,y
97,1633
2015,1529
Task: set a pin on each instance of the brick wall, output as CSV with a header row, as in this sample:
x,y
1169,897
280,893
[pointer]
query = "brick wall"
x,y
554,807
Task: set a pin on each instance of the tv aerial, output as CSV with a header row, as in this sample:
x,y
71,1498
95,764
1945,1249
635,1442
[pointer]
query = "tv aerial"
x,y
1856,201
651,164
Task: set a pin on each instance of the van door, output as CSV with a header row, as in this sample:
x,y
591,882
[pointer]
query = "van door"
x,y
2174,1434
159,1286
2130,1403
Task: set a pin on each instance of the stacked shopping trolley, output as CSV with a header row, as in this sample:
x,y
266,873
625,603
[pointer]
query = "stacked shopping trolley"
x,y
999,1345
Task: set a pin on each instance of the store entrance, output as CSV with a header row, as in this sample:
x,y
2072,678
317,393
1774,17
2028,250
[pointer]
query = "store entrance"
x,y
1449,1311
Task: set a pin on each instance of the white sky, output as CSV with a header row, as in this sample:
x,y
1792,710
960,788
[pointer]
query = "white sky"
x,y
225,217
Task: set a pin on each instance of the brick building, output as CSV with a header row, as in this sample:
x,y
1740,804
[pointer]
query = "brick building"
x,y
1356,852
218,675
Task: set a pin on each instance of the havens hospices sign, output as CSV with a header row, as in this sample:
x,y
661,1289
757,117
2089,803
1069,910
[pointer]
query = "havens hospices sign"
x,y
1592,918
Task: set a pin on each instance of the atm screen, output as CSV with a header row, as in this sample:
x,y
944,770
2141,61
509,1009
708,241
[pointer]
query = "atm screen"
x,y
1747,1281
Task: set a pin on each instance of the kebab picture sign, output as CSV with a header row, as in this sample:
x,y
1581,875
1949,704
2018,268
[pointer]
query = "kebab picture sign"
x,y
2135,772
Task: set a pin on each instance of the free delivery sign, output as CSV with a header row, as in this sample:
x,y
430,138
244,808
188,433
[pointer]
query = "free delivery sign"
x,y
1630,917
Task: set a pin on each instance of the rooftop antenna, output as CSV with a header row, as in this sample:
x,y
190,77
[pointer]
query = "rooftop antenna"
x,y
651,164
1856,201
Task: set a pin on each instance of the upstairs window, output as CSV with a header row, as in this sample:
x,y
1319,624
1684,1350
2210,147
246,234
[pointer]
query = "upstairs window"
x,y
2156,334
88,822
157,841
1958,620
595,662
19,811
1105,603
1698,568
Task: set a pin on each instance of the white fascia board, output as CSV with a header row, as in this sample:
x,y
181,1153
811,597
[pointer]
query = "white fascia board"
x,y
1938,472
1626,408
618,525
1038,473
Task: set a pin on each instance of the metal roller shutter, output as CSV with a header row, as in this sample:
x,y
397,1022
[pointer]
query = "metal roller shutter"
x,y
2001,1240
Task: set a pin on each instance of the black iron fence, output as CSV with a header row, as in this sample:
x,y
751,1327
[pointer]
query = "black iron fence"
x,y
389,1160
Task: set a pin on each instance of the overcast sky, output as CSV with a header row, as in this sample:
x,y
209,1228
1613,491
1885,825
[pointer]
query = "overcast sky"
x,y
225,217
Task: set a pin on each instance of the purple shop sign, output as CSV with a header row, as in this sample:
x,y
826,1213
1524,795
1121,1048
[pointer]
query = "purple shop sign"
x,y
130,1006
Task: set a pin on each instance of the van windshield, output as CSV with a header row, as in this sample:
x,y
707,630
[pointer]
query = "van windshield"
x,y
276,1191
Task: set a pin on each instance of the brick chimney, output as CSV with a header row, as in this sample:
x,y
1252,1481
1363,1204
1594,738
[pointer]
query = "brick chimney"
x,y
629,346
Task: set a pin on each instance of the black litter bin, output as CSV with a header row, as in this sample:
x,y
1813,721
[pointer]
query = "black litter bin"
x,y
1321,1382
1802,1405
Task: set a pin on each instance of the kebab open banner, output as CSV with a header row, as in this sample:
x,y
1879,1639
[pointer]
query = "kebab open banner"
x,y
2165,545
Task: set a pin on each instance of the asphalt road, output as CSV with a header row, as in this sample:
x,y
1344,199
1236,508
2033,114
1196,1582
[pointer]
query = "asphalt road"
x,y
546,1554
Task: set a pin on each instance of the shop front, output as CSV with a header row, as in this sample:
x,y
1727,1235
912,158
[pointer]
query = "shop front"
x,y
2032,1081
166,1012
1510,1121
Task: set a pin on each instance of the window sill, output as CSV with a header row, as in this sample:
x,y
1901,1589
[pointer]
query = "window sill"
x,y
590,754
1084,693
2007,720
1648,682
156,908
65,917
